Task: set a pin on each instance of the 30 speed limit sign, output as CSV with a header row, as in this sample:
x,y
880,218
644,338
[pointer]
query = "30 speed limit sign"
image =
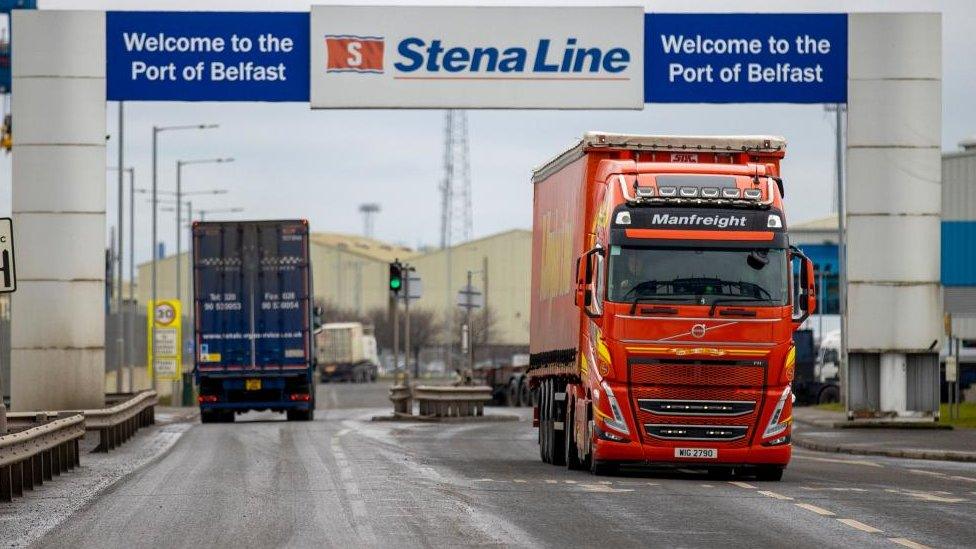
x,y
8,276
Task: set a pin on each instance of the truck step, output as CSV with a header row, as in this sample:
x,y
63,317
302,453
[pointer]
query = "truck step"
x,y
559,397
558,425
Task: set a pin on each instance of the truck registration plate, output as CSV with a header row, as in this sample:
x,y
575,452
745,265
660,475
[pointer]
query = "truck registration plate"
x,y
700,453
252,384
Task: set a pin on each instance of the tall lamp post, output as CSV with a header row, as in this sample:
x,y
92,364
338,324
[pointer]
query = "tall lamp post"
x,y
127,334
179,214
156,130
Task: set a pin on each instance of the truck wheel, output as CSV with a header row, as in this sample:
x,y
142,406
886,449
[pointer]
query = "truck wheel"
x,y
829,394
772,473
208,417
543,421
525,393
572,459
227,417
557,414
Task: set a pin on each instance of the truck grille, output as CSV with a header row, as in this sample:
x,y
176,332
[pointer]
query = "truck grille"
x,y
697,432
667,407
725,373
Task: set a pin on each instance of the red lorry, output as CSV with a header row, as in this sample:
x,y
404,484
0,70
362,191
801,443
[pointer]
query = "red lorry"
x,y
664,297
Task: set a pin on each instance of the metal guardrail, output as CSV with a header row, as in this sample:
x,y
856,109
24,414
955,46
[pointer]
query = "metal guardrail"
x,y
33,455
402,399
114,424
440,401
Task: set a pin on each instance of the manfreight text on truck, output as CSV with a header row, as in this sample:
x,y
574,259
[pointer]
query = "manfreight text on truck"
x,y
252,285
664,297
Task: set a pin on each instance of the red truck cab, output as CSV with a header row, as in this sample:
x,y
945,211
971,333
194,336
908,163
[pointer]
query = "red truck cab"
x,y
665,296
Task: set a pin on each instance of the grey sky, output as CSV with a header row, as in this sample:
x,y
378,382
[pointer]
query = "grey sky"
x,y
295,162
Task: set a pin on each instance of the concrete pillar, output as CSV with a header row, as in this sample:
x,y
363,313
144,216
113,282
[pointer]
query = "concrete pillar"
x,y
894,199
58,106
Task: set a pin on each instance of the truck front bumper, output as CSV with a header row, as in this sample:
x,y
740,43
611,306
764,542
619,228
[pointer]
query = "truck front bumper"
x,y
650,453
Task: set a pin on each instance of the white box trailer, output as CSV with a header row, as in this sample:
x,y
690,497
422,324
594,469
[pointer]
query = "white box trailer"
x,y
345,351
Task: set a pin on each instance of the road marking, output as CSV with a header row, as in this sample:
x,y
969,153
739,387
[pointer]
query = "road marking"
x,y
570,481
603,488
343,432
550,481
818,510
860,526
908,543
930,473
483,480
967,479
518,480
708,486
844,461
926,496
774,495
742,484
833,489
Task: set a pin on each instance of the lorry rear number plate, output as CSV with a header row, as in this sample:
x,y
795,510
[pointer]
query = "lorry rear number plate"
x,y
701,453
252,384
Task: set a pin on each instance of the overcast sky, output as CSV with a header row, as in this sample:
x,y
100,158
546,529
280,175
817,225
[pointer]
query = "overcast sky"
x,y
295,162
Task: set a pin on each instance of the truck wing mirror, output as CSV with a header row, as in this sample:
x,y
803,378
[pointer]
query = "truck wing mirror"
x,y
806,296
589,269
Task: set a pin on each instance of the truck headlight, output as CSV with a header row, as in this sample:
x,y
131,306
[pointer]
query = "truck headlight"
x,y
616,421
775,426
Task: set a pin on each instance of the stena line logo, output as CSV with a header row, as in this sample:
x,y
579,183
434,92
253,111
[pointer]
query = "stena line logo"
x,y
351,53
417,58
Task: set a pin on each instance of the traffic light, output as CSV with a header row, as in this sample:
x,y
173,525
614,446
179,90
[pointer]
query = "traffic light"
x,y
396,277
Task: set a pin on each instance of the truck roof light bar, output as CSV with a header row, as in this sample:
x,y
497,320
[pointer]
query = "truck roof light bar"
x,y
688,192
645,192
667,191
731,193
709,192
752,194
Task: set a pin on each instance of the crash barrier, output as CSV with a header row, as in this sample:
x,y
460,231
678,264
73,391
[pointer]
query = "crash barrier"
x,y
402,400
118,423
439,401
32,455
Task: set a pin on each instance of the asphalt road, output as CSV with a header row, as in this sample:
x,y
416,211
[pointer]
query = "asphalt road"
x,y
344,481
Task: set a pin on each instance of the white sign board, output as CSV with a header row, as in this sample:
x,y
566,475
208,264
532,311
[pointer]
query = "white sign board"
x,y
8,275
477,57
415,287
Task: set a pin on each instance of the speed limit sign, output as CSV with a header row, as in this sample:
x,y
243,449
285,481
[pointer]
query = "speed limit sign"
x,y
164,313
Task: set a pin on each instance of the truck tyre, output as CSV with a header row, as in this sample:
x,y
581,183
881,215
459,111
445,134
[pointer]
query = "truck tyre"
x,y
557,413
525,393
512,393
543,421
828,394
227,417
572,459
772,473
207,416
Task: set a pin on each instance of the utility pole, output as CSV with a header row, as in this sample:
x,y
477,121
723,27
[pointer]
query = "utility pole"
x,y
130,328
406,324
119,300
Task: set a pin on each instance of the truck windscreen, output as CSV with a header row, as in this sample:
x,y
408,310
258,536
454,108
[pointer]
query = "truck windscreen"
x,y
698,276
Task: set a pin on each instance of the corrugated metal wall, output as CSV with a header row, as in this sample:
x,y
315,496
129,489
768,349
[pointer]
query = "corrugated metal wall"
x,y
959,220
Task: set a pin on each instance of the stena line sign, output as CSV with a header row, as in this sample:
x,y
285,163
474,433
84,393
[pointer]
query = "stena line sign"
x,y
477,57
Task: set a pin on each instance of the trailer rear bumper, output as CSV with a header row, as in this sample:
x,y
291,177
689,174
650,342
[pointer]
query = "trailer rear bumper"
x,y
275,406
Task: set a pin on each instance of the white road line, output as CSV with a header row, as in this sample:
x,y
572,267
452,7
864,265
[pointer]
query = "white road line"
x,y
550,481
570,481
343,432
860,526
774,495
519,480
844,461
967,479
908,543
818,510
742,484
708,486
930,473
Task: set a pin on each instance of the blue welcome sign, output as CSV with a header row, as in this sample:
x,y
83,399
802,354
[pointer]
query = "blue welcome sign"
x,y
207,56
745,58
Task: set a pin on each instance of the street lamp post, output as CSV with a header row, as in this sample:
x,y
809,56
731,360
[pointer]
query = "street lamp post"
x,y
127,332
156,130
179,215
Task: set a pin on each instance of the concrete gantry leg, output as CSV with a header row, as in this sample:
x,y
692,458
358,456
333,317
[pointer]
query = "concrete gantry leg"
x,y
894,205
58,315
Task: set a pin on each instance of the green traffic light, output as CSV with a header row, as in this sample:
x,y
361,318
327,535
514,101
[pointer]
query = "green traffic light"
x,y
395,283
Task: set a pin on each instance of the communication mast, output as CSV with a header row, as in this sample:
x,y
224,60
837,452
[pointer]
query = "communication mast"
x,y
456,187
368,211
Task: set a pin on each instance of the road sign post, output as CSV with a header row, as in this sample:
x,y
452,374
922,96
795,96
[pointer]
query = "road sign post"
x,y
468,298
165,347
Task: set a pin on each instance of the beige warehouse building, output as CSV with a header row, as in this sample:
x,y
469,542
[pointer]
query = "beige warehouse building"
x,y
351,273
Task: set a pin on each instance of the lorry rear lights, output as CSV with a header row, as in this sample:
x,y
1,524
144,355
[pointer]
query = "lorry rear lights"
x,y
667,191
689,192
709,192
623,218
752,194
731,193
300,397
206,398
774,222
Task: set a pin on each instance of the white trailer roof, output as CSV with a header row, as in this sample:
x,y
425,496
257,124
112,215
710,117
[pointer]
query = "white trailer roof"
x,y
711,143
